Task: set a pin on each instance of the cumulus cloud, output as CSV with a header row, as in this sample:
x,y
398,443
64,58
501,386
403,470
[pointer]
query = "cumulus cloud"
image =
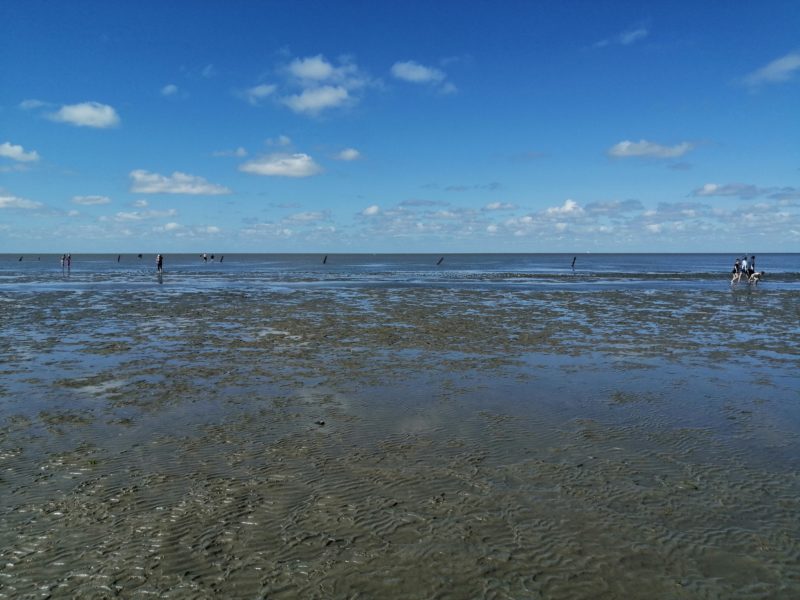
x,y
371,211
90,200
169,90
779,70
16,152
314,68
257,94
87,114
144,182
643,148
322,84
282,165
19,203
569,208
416,73
348,154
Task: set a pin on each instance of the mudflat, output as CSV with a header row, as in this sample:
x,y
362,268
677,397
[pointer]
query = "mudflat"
x,y
399,441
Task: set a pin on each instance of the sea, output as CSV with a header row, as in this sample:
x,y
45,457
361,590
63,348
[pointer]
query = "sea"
x,y
568,271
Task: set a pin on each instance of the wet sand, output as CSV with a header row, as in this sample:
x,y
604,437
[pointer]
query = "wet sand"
x,y
399,442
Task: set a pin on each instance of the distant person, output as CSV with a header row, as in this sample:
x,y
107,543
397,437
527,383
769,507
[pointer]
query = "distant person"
x,y
751,266
212,257
140,257
744,265
221,258
69,261
574,258
205,257
63,260
159,263
736,272
119,256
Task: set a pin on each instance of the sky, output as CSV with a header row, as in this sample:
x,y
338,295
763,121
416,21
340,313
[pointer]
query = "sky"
x,y
540,126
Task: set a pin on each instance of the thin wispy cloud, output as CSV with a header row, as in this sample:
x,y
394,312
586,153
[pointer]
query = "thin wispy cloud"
x,y
644,148
15,202
626,38
144,182
736,190
348,154
413,72
282,165
238,152
256,95
90,200
169,90
87,114
778,71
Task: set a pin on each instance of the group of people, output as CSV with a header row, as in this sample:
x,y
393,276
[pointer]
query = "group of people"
x,y
743,268
66,261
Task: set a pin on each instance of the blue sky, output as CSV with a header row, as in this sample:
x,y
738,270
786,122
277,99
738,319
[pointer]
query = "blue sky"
x,y
399,126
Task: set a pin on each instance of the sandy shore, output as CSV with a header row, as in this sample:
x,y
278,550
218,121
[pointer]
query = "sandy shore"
x,y
399,442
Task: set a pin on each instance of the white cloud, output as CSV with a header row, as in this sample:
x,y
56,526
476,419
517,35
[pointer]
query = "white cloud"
x,y
654,227
626,149
779,70
212,229
739,190
416,73
140,203
16,152
308,217
282,165
177,183
87,114
73,213
371,211
314,100
314,68
31,104
569,208
348,154
208,71
90,200
256,95
172,226
499,206
16,202
322,84
141,215
626,38
169,90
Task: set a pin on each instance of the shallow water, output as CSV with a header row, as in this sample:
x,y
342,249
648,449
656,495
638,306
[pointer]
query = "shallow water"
x,y
265,436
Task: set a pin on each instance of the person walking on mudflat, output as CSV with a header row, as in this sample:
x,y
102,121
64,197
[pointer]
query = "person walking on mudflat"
x,y
159,263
